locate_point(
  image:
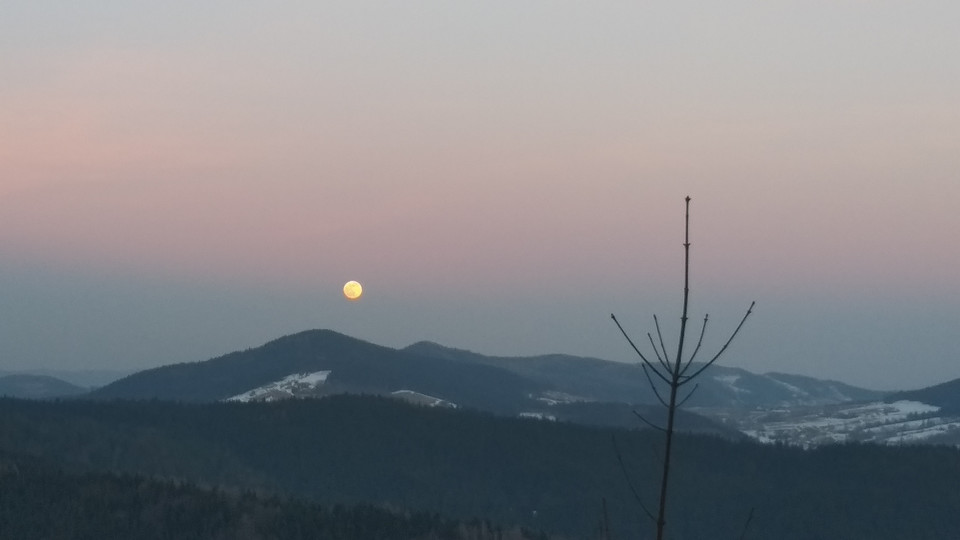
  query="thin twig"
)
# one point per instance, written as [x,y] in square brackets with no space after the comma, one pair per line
[656,323]
[747,524]
[684,400]
[606,520]
[725,345]
[640,354]
[653,387]
[647,422]
[626,476]
[659,358]
[703,330]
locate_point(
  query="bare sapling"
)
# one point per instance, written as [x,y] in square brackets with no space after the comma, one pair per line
[675,373]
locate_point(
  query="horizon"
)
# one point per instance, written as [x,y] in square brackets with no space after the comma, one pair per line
[117,374]
[181,181]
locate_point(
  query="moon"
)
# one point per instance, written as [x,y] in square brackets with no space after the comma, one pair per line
[352,290]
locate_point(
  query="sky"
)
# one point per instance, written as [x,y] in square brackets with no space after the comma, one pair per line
[179,180]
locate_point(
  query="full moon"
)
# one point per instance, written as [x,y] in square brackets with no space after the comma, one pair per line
[352,290]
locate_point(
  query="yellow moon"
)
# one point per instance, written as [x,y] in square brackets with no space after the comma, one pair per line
[352,290]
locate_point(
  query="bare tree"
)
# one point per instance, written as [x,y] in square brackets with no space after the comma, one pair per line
[674,373]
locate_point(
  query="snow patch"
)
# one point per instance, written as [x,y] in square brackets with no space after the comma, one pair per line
[538,416]
[553,397]
[731,382]
[295,385]
[796,391]
[423,399]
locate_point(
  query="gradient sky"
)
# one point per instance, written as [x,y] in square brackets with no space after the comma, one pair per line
[179,180]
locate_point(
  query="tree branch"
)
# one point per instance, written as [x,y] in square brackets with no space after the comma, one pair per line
[666,356]
[725,345]
[684,400]
[626,476]
[747,524]
[647,422]
[654,387]
[703,330]
[662,362]
[630,341]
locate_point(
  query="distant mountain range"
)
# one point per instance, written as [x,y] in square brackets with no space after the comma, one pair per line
[463,377]
[551,387]
[728,401]
[592,379]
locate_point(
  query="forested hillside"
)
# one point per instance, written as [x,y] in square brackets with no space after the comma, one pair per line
[38,501]
[543,475]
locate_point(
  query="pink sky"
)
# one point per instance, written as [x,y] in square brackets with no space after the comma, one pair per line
[524,166]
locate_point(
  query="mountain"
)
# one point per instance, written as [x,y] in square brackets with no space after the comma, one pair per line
[318,363]
[502,384]
[592,379]
[37,387]
[555,387]
[354,366]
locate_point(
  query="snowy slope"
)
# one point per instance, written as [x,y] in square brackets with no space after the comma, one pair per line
[295,385]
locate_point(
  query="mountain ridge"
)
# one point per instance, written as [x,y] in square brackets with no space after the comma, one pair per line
[556,387]
[356,366]
[29,386]
[721,386]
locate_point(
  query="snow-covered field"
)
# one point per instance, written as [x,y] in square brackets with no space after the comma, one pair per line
[885,423]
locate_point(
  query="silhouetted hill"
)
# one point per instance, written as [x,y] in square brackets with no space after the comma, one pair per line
[557,387]
[37,387]
[355,365]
